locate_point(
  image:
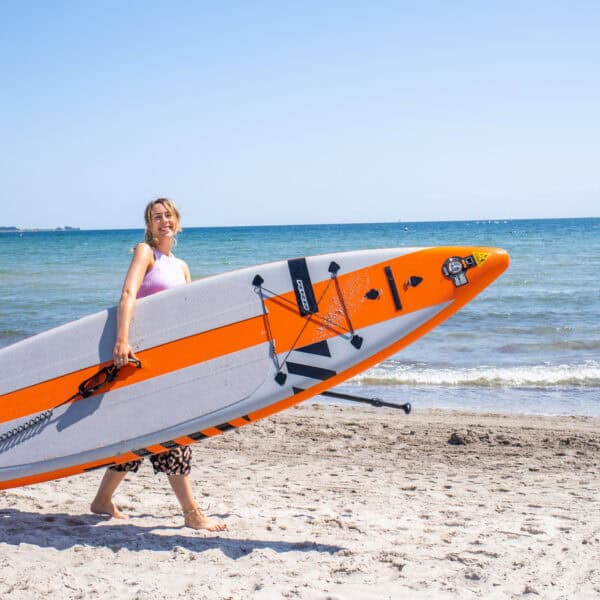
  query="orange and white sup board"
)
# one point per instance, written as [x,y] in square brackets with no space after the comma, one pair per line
[221,353]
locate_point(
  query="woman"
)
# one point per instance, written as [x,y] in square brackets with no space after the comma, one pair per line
[153,269]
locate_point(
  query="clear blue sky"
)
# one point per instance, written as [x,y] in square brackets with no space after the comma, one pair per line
[267,112]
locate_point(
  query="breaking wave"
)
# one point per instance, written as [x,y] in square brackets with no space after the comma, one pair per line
[537,376]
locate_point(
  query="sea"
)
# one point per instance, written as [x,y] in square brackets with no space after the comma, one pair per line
[530,343]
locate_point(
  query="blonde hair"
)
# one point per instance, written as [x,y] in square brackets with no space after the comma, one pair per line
[169,205]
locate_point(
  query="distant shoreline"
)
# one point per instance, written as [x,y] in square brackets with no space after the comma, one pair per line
[36,229]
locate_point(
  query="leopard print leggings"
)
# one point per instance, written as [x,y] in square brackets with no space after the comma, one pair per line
[176,461]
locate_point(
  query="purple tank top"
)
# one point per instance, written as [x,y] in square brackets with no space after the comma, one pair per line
[165,274]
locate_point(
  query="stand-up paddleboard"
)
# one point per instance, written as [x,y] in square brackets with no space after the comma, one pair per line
[220,353]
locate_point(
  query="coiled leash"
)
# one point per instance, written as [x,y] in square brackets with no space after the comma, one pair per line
[86,388]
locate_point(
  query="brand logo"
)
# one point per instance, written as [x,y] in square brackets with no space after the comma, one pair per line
[302,295]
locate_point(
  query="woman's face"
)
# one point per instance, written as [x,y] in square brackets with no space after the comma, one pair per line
[163,222]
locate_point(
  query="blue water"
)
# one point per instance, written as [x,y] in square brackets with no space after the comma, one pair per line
[529,343]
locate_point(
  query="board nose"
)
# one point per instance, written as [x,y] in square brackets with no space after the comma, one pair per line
[501,259]
[491,262]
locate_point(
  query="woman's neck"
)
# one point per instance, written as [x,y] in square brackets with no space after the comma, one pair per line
[164,246]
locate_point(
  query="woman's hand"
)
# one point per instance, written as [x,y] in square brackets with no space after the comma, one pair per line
[122,353]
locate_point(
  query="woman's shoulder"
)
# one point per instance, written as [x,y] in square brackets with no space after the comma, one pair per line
[143,249]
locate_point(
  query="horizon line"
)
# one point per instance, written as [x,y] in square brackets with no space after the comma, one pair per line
[73,229]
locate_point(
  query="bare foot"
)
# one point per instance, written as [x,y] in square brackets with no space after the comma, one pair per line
[196,519]
[107,508]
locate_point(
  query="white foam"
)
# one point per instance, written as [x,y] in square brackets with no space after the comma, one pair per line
[535,376]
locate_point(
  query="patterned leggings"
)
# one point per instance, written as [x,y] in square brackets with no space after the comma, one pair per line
[176,461]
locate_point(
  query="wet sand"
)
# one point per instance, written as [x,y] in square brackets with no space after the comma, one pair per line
[332,502]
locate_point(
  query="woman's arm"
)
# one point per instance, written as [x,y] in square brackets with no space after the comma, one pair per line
[140,263]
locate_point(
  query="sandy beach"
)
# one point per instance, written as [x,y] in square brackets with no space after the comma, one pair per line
[332,502]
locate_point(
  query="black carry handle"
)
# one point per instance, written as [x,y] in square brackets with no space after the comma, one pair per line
[101,378]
